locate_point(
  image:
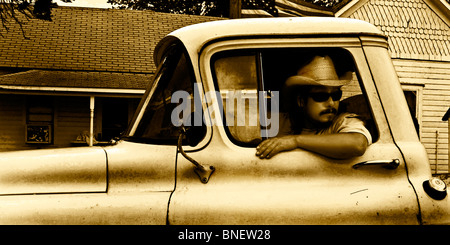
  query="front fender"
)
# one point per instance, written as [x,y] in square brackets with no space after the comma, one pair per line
[64,170]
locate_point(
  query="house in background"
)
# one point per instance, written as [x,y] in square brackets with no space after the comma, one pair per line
[55,73]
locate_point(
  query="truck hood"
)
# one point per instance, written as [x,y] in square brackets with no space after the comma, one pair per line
[64,170]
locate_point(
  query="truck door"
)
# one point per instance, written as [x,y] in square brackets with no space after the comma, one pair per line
[431,192]
[243,97]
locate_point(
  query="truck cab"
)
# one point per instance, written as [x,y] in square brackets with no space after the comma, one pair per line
[189,154]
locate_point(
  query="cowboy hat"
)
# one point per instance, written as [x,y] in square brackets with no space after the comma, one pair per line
[319,72]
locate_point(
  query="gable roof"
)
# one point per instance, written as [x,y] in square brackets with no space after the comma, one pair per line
[86,50]
[417,29]
[90,39]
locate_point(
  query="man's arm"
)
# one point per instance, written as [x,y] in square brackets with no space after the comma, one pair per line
[340,145]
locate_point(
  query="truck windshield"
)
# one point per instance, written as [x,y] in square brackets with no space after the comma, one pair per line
[152,121]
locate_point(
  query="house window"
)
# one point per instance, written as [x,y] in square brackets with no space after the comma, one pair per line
[413,95]
[39,129]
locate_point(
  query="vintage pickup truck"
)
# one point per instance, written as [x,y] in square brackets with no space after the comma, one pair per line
[188,156]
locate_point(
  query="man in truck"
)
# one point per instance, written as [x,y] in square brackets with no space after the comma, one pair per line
[313,122]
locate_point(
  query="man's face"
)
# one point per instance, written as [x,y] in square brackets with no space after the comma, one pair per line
[322,104]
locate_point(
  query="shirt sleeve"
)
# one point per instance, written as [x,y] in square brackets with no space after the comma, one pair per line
[284,125]
[350,123]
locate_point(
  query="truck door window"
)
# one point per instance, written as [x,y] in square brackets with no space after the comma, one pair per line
[241,76]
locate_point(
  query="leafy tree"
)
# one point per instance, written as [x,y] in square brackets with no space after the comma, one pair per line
[326,3]
[15,10]
[219,8]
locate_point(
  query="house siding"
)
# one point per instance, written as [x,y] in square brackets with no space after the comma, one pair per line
[12,125]
[435,79]
[71,118]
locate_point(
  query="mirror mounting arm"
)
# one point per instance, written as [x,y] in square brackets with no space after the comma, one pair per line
[204,173]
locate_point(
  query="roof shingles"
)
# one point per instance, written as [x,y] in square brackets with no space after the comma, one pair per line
[91,39]
[414,30]
[76,79]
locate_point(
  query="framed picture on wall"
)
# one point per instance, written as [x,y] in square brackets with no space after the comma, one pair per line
[38,134]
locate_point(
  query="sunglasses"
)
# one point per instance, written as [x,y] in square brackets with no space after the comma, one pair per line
[323,96]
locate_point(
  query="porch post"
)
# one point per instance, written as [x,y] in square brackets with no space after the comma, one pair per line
[235,9]
[91,126]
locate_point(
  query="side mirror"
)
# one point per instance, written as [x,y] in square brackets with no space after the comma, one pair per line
[203,172]
[196,130]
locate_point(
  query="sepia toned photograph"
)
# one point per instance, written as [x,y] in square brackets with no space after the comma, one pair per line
[224,112]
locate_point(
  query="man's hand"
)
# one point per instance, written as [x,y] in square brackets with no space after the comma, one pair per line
[268,148]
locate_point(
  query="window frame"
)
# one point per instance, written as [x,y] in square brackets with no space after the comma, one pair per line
[418,89]
[351,44]
[40,125]
[175,49]
[231,53]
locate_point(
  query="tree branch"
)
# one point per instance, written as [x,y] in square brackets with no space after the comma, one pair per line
[21,11]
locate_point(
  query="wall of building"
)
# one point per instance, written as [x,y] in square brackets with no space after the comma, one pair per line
[71,117]
[12,123]
[433,78]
